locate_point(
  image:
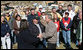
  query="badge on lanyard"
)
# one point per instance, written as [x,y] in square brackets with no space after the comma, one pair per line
[66,24]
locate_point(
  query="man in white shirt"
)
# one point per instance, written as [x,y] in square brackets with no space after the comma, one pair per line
[70,11]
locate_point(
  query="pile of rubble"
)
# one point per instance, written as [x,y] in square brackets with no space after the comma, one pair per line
[27,4]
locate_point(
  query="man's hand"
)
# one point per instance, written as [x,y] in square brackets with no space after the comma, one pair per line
[39,36]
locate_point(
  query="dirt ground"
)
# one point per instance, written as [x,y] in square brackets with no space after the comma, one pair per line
[61,46]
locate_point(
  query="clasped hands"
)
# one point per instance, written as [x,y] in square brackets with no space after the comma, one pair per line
[40,36]
[66,28]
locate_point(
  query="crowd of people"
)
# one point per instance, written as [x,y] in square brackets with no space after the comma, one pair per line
[41,30]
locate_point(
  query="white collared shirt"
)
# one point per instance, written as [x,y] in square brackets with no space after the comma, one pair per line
[39,28]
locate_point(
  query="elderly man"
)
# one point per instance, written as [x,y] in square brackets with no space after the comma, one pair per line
[50,33]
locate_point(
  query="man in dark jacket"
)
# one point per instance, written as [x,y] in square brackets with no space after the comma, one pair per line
[50,33]
[74,27]
[36,28]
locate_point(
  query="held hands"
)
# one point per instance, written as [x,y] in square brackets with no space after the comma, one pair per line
[39,36]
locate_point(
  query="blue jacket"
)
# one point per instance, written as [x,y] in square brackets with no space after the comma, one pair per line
[69,25]
[4,29]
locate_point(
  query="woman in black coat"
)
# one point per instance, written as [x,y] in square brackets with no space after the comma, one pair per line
[26,39]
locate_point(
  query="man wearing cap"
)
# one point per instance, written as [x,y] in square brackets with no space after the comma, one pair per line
[32,15]
[40,9]
[35,29]
[66,25]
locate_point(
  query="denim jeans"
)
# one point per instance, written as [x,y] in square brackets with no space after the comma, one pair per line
[44,45]
[76,42]
[57,38]
[66,36]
